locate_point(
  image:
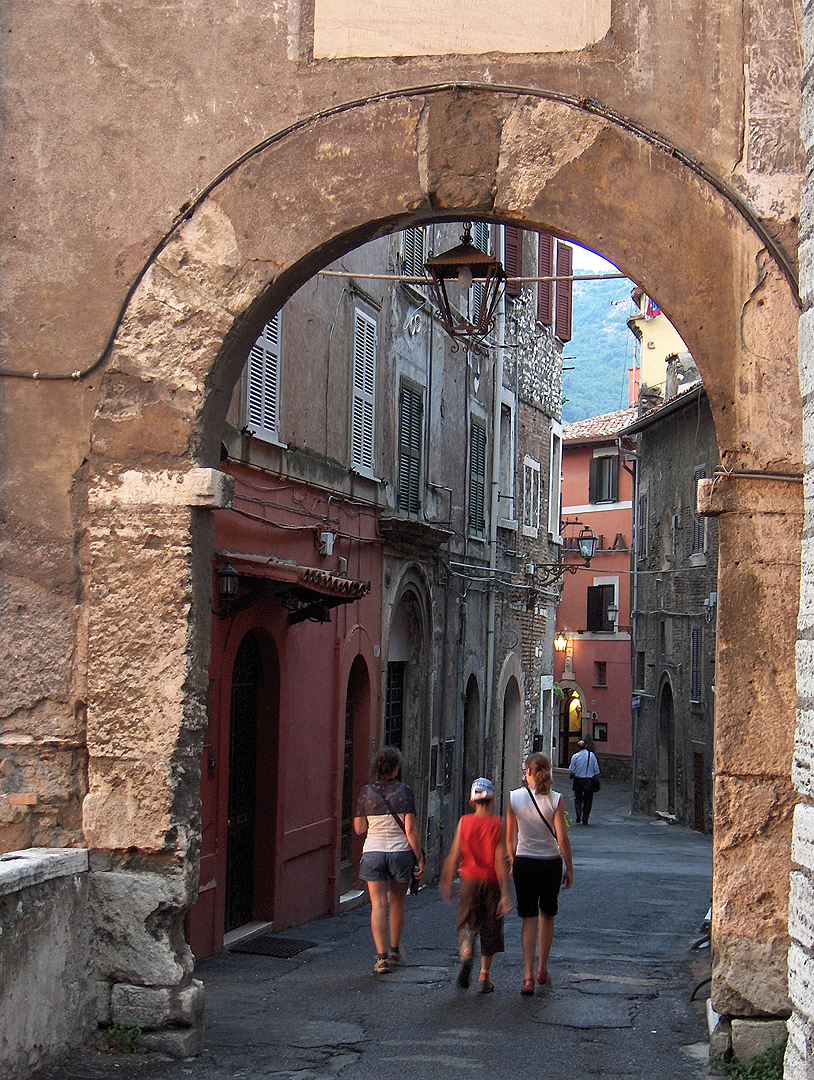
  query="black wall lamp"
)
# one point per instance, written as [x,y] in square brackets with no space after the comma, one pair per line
[227,583]
[466,264]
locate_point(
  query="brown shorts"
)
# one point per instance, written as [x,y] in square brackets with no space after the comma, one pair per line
[477,912]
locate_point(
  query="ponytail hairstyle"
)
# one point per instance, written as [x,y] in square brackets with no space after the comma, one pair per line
[387,759]
[540,767]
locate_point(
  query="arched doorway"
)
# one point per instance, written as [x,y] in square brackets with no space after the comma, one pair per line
[444,153]
[357,724]
[247,680]
[570,726]
[666,795]
[512,739]
[472,739]
[406,687]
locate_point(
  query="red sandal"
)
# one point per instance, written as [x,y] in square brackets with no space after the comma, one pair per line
[527,989]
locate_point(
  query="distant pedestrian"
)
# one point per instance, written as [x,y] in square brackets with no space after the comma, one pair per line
[478,853]
[391,854]
[540,858]
[583,770]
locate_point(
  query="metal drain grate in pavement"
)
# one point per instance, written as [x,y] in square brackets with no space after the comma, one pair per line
[266,945]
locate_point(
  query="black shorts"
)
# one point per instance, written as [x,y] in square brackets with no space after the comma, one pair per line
[537,885]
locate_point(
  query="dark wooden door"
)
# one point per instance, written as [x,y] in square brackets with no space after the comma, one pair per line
[247,678]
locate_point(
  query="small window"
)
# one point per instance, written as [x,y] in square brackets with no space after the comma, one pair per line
[600,732]
[531,496]
[413,255]
[505,492]
[363,411]
[696,664]
[641,527]
[411,410]
[480,239]
[640,671]
[600,673]
[555,482]
[699,523]
[263,382]
[477,477]
[603,479]
[600,597]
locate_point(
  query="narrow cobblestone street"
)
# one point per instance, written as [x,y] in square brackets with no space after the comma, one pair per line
[622,967]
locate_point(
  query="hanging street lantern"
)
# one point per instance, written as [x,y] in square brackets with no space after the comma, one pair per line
[466,265]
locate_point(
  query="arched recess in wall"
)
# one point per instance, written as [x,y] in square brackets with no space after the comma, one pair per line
[666,760]
[286,210]
[471,753]
[354,766]
[407,682]
[508,716]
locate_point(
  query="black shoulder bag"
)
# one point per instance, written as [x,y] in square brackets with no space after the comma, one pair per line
[415,883]
[540,812]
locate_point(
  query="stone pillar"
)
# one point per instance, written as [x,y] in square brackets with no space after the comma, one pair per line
[760,524]
[148,602]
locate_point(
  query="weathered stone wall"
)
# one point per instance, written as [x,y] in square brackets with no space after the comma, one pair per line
[800,1052]
[47,989]
[118,592]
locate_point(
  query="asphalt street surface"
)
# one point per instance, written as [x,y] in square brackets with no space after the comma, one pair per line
[622,966]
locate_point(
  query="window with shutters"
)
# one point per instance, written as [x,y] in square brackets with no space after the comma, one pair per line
[263,382]
[699,523]
[480,239]
[600,597]
[476,517]
[696,664]
[545,289]
[363,407]
[641,526]
[413,254]
[600,673]
[531,496]
[603,479]
[513,258]
[411,413]
[555,483]
[505,487]
[563,293]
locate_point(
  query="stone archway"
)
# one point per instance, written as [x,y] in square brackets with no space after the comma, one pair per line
[301,200]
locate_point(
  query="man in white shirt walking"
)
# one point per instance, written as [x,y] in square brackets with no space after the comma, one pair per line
[583,769]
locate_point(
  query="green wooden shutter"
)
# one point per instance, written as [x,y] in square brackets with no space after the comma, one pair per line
[411,409]
[363,411]
[477,477]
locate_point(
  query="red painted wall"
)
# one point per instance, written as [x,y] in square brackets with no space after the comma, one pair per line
[302,707]
[611,703]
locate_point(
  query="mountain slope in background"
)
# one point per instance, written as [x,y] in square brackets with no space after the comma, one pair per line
[600,351]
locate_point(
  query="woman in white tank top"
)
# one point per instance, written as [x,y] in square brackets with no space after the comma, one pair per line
[540,857]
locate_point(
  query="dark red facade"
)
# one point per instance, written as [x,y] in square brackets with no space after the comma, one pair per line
[293,704]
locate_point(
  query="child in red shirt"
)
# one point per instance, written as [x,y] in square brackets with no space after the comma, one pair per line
[480,849]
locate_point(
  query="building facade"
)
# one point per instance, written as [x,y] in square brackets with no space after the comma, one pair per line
[674,612]
[592,664]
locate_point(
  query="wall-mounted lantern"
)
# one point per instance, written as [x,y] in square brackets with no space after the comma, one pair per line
[613,615]
[560,642]
[466,264]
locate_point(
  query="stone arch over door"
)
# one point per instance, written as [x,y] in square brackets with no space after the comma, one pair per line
[303,198]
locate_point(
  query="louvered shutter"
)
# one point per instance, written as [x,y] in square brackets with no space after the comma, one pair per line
[411,407]
[513,257]
[593,475]
[480,239]
[564,291]
[696,671]
[263,384]
[595,614]
[545,267]
[477,478]
[363,415]
[413,252]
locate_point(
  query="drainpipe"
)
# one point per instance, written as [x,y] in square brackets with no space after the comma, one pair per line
[493,513]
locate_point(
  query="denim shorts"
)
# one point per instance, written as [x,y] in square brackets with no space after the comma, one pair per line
[387,866]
